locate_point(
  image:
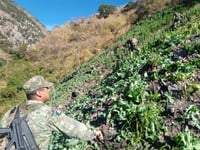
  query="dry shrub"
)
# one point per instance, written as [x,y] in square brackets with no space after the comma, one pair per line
[132,17]
[157,4]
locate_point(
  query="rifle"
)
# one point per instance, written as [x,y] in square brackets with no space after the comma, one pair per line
[19,134]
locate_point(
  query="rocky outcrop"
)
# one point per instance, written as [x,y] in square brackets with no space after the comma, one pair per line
[18,27]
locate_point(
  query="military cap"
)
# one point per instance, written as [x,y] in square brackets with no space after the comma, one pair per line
[36,83]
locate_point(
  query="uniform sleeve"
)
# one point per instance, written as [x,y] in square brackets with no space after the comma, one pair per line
[4,120]
[71,127]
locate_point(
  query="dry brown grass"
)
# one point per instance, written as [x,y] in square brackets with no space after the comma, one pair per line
[74,43]
[4,55]
[70,45]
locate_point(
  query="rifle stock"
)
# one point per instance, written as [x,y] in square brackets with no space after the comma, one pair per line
[19,135]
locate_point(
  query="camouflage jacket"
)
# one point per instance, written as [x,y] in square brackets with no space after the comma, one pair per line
[43,119]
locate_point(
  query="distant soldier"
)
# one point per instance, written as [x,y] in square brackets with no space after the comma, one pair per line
[178,20]
[132,45]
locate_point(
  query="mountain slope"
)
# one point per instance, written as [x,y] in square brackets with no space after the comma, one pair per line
[150,101]
[76,42]
[18,31]
[18,27]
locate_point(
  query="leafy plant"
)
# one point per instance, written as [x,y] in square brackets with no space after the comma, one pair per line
[121,99]
[191,114]
[186,141]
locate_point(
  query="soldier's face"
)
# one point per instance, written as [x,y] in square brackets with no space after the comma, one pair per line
[45,95]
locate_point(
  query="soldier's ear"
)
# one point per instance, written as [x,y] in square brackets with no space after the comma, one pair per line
[38,93]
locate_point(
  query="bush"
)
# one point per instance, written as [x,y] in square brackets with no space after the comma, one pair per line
[14,82]
[105,10]
[129,6]
[2,62]
[8,93]
[14,86]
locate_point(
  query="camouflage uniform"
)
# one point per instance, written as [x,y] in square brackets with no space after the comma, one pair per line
[43,119]
[178,20]
[132,45]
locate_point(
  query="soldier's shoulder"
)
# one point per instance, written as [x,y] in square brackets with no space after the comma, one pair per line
[47,108]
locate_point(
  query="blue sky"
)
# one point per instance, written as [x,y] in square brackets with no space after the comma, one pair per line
[57,12]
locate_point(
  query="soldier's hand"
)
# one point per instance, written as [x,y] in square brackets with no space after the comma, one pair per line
[99,135]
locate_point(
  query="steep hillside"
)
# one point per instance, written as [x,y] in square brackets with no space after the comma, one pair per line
[148,101]
[64,49]
[76,42]
[18,31]
[17,27]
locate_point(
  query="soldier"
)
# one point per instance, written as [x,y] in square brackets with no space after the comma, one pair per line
[132,45]
[178,20]
[43,119]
